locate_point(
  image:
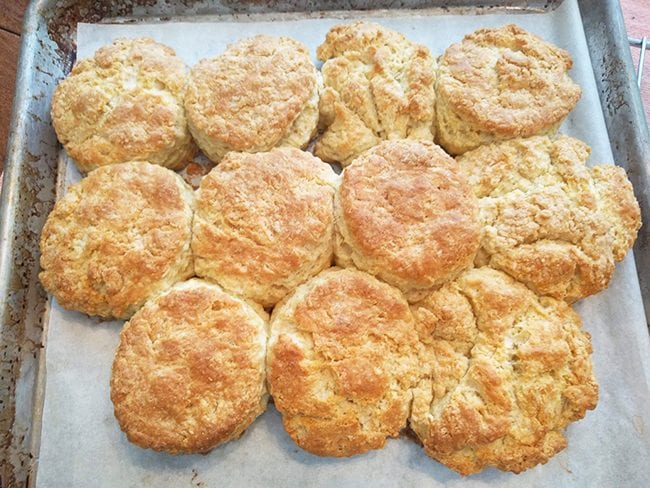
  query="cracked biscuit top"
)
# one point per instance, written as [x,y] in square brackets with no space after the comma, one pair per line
[405,214]
[189,371]
[262,92]
[116,238]
[498,84]
[378,85]
[504,372]
[124,104]
[547,219]
[265,222]
[341,364]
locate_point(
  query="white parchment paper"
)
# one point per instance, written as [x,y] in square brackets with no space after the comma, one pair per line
[82,445]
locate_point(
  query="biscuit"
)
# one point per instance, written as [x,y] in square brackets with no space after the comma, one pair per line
[340,363]
[124,104]
[405,214]
[118,237]
[498,84]
[262,92]
[189,371]
[504,372]
[378,86]
[547,219]
[264,222]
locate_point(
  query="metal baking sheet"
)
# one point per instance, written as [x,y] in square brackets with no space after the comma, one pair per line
[78,424]
[30,173]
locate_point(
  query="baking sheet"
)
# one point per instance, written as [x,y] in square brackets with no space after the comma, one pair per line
[81,444]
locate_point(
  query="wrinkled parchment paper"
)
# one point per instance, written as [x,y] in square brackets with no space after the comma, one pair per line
[82,445]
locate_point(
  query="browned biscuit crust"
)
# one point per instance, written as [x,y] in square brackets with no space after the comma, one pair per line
[341,363]
[260,93]
[378,85]
[499,84]
[619,205]
[405,214]
[124,104]
[264,222]
[189,371]
[118,237]
[547,219]
[504,372]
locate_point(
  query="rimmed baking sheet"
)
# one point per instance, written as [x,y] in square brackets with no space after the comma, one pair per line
[81,444]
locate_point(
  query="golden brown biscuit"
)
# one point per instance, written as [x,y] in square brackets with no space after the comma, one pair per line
[547,219]
[124,104]
[118,237]
[504,371]
[619,205]
[498,84]
[378,85]
[405,214]
[264,222]
[262,92]
[340,363]
[189,371]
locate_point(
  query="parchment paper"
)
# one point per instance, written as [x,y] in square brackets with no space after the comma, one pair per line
[82,445]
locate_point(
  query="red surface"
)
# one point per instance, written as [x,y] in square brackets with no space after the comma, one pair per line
[637,23]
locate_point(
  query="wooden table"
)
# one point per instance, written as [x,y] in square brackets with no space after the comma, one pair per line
[11,19]
[636,12]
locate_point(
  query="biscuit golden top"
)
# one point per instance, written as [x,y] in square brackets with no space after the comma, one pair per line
[264,222]
[341,361]
[116,238]
[504,372]
[124,103]
[379,85]
[546,218]
[248,97]
[188,373]
[507,81]
[407,215]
